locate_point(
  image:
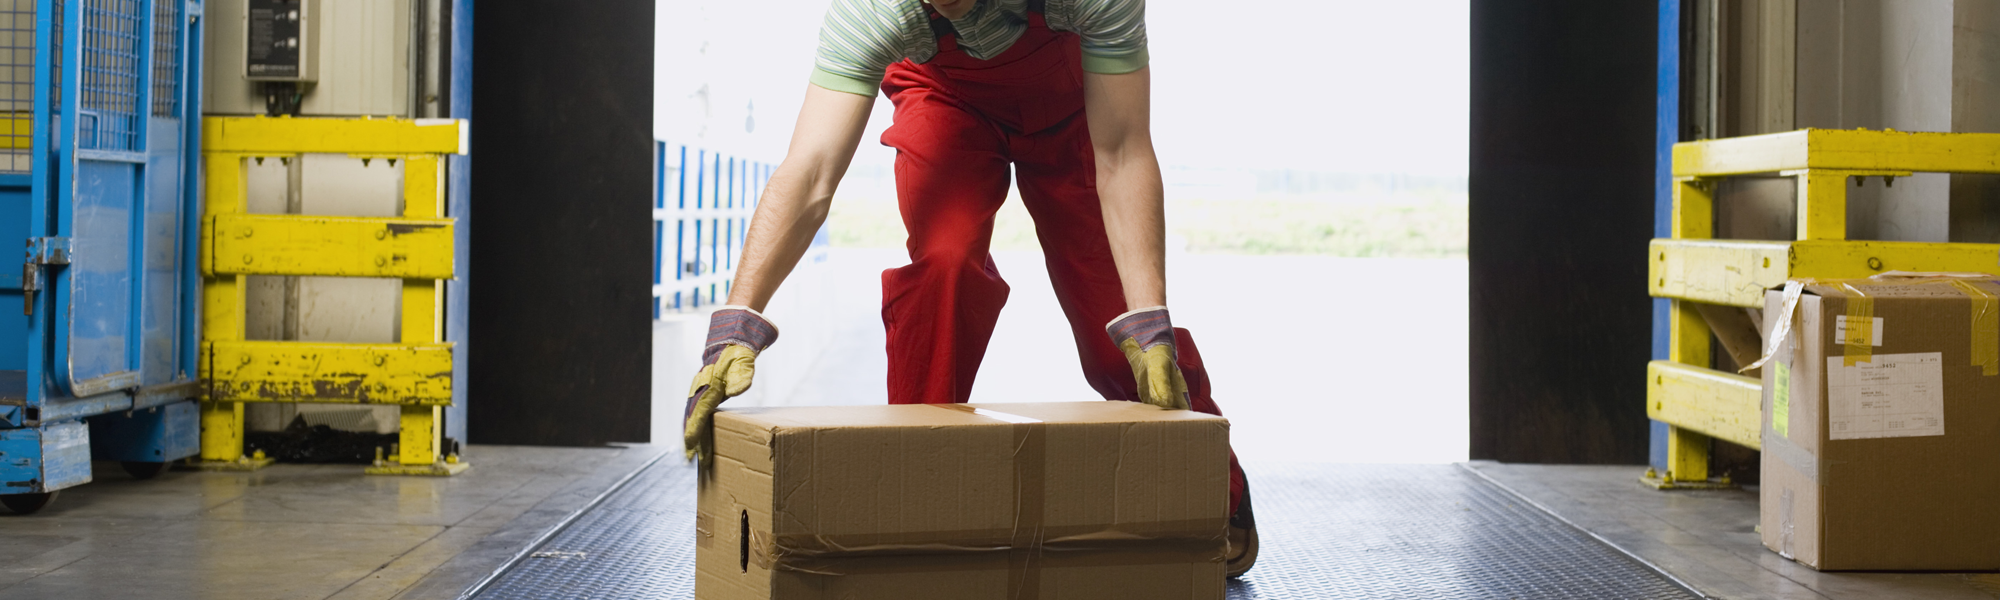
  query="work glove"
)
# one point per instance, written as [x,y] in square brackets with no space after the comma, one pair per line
[1147,338]
[735,335]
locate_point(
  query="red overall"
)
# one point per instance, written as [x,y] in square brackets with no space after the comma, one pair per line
[960,122]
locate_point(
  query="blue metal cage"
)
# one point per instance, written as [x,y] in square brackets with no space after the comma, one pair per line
[97,180]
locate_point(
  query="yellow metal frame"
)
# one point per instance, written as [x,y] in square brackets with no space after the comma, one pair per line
[417,247]
[1701,404]
[245,244]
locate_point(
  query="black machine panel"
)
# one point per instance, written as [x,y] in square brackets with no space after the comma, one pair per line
[274,47]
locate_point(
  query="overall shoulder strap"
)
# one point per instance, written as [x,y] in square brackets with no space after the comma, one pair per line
[940,26]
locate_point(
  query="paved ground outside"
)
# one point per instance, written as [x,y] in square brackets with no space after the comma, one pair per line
[1316,359]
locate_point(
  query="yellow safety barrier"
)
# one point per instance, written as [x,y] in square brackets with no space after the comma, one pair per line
[1699,403]
[414,373]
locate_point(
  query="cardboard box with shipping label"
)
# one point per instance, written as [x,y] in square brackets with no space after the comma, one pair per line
[1101,500]
[1882,425]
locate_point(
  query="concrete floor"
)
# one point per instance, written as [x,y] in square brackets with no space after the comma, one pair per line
[299,531]
[319,532]
[1708,539]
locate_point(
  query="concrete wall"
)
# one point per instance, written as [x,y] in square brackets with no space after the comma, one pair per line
[1908,65]
[1881,64]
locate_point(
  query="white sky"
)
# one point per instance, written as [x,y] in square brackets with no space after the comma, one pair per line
[1323,85]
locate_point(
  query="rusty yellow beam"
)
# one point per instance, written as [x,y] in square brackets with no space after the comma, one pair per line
[1855,259]
[260,371]
[284,136]
[1729,272]
[1725,406]
[252,244]
[420,444]
[1736,272]
[1839,149]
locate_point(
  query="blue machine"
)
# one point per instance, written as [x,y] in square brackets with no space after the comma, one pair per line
[97,178]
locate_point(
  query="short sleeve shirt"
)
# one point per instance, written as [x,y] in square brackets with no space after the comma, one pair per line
[861,38]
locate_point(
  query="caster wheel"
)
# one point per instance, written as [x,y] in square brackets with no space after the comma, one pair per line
[143,470]
[27,504]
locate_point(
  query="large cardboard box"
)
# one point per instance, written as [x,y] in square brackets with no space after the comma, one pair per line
[1881,426]
[1098,500]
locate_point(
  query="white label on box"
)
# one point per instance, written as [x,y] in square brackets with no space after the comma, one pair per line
[1891,395]
[1840,331]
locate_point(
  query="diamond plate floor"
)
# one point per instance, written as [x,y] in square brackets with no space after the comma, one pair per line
[1329,531]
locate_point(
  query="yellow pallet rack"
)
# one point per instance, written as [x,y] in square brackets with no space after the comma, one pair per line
[1699,403]
[415,373]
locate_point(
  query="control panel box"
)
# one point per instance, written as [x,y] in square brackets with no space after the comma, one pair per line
[345,57]
[280,40]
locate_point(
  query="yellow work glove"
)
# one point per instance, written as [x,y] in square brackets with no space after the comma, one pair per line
[728,361]
[1147,338]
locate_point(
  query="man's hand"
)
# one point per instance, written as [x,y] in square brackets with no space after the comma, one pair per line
[735,335]
[1147,338]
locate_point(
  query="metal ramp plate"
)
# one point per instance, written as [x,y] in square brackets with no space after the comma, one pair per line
[1328,531]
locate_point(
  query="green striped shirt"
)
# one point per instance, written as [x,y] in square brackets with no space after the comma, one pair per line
[861,38]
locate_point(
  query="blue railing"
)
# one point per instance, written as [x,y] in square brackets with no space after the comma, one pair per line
[702,202]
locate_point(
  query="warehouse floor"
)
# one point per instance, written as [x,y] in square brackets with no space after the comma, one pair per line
[299,531]
[1474,530]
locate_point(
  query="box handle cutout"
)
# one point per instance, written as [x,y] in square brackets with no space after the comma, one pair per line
[743,544]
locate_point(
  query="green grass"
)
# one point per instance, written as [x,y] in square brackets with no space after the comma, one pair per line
[1434,228]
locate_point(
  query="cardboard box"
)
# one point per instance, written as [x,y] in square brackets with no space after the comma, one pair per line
[1099,500]
[1881,426]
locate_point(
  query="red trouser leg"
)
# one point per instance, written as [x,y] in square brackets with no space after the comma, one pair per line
[1057,173]
[951,176]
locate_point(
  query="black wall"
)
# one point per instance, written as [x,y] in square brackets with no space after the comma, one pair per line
[1562,208]
[560,322]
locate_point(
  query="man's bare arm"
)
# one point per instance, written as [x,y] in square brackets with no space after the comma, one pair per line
[795,201]
[1119,108]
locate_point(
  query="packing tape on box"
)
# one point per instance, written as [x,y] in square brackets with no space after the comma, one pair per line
[1860,333]
[1985,327]
[1793,289]
[1799,459]
[1860,327]
[1785,528]
[973,541]
[1154,553]
[1024,575]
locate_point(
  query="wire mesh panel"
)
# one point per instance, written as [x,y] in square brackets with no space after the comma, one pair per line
[167,24]
[112,46]
[17,84]
[56,35]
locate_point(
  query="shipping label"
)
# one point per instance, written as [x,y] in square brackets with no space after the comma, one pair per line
[1891,395]
[1841,327]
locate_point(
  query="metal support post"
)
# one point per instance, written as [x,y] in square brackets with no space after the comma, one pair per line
[418,450]
[222,424]
[1822,198]
[1687,450]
